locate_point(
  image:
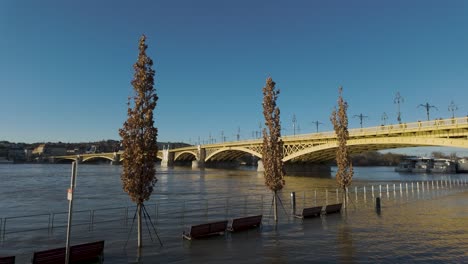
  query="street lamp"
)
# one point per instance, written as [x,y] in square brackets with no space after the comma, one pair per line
[428,107]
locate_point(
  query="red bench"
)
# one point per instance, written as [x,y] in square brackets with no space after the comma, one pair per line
[204,230]
[310,212]
[333,208]
[7,260]
[78,254]
[244,223]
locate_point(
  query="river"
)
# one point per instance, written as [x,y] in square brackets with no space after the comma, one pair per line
[423,216]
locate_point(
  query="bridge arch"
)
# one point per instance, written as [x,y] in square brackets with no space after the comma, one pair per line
[59,160]
[326,152]
[185,155]
[231,153]
[97,158]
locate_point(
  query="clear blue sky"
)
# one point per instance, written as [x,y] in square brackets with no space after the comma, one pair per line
[66,66]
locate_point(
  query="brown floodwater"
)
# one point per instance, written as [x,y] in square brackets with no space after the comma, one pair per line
[423,221]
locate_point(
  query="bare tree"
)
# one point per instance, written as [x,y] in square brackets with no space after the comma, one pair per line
[272,144]
[339,119]
[139,135]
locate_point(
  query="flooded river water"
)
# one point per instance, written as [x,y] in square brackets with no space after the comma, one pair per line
[423,218]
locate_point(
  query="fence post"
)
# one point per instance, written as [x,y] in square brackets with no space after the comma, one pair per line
[355,191]
[337,199]
[293,202]
[377,205]
[91,219]
[126,216]
[315,196]
[262,203]
[364,192]
[4,228]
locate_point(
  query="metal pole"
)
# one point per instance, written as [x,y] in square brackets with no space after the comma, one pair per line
[293,202]
[70,211]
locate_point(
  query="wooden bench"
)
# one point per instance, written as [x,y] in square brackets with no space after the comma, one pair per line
[89,252]
[203,230]
[310,212]
[333,208]
[7,260]
[245,223]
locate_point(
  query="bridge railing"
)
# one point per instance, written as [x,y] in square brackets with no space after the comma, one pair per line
[392,128]
[376,130]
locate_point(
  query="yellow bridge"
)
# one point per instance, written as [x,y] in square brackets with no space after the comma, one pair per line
[315,147]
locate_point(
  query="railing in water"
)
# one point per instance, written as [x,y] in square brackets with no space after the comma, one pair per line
[184,212]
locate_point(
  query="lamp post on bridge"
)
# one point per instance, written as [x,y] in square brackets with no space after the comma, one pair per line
[317,123]
[384,119]
[427,106]
[452,107]
[294,120]
[361,117]
[398,99]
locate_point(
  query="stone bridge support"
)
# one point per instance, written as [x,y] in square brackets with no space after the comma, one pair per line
[168,158]
[199,163]
[79,159]
[115,159]
[260,167]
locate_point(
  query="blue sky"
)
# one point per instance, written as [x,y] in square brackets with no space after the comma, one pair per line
[66,66]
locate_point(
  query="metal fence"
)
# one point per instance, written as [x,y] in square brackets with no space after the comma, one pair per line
[180,213]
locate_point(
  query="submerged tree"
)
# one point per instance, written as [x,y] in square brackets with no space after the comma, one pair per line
[272,144]
[344,174]
[139,136]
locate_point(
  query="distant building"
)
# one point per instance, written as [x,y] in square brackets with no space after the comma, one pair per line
[45,150]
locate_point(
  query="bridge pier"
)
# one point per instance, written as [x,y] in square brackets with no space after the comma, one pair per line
[168,158]
[199,163]
[260,167]
[115,159]
[79,159]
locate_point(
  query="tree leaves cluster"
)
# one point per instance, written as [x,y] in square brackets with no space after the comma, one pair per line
[339,119]
[272,154]
[138,132]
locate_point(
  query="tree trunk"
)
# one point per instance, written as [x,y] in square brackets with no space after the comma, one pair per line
[275,208]
[140,239]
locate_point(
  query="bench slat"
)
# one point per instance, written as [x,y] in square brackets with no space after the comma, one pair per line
[82,252]
[333,208]
[310,212]
[204,230]
[7,260]
[244,223]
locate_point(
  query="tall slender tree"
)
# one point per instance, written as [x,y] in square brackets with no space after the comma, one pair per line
[272,154]
[139,135]
[339,119]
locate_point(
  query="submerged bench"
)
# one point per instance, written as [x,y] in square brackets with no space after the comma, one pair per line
[89,252]
[204,230]
[333,208]
[310,212]
[7,260]
[245,223]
